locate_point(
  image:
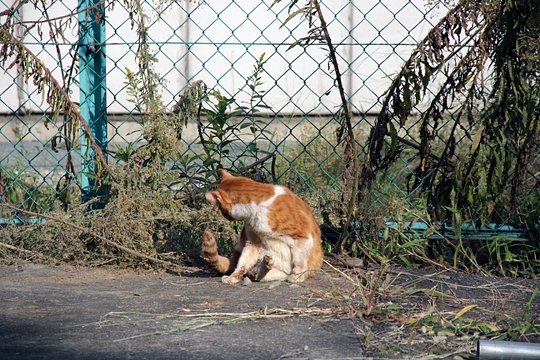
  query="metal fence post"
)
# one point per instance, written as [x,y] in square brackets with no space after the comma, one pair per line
[93,89]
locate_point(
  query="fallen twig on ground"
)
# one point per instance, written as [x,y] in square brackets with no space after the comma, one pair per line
[20,249]
[201,320]
[14,248]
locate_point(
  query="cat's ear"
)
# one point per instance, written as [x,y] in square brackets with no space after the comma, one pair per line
[224,174]
[214,198]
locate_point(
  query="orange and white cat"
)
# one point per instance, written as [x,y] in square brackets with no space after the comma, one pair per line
[280,239]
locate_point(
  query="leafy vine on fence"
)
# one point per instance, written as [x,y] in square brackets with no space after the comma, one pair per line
[486,54]
[56,94]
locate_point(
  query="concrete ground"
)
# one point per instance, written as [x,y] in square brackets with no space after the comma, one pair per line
[64,312]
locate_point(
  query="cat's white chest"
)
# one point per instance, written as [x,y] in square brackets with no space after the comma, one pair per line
[256,215]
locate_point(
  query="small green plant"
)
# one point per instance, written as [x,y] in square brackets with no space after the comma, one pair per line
[223,139]
[125,153]
[512,257]
[255,104]
[220,133]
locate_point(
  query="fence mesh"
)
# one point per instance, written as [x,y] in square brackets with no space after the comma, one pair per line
[271,107]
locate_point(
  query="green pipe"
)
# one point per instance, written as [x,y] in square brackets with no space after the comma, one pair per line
[93,90]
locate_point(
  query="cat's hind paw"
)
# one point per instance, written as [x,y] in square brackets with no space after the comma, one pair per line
[268,262]
[296,278]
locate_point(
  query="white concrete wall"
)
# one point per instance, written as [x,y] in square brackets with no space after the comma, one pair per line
[225,37]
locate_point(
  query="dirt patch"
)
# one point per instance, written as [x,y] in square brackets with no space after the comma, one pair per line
[441,314]
[66,312]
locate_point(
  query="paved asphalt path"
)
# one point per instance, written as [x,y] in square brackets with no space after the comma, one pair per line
[49,312]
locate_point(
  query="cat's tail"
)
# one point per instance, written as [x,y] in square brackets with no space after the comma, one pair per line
[210,254]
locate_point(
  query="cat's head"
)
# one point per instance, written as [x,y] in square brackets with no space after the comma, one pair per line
[237,197]
[220,198]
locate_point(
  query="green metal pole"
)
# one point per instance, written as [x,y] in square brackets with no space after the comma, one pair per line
[93,90]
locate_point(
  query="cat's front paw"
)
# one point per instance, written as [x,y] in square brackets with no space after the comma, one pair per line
[231,279]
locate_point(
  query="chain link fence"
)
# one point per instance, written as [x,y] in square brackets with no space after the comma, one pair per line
[271,108]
